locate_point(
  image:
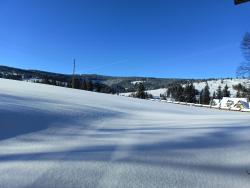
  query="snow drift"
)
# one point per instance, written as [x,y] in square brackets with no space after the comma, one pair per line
[60,137]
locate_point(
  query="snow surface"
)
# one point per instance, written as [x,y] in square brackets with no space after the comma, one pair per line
[137,82]
[59,137]
[155,92]
[33,80]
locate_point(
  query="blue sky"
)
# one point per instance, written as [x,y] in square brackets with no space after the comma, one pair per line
[159,38]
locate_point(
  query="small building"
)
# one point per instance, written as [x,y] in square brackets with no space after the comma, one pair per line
[242,105]
[229,102]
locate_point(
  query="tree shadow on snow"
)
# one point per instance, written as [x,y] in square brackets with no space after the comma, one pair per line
[219,138]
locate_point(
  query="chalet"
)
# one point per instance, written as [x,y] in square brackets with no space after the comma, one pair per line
[238,103]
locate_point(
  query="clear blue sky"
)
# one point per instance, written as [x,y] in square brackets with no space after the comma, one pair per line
[159,38]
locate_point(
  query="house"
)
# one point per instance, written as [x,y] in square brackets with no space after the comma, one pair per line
[240,103]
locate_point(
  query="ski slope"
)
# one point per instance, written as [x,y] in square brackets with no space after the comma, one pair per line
[59,137]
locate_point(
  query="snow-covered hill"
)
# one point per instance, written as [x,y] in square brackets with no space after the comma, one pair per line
[213,85]
[155,92]
[58,137]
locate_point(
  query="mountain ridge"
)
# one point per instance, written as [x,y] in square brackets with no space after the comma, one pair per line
[112,84]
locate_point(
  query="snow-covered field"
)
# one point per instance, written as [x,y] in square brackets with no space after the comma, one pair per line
[155,92]
[59,137]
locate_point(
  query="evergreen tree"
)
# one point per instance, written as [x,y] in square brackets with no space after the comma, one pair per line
[192,95]
[45,80]
[163,96]
[186,93]
[179,93]
[205,95]
[77,83]
[84,85]
[201,96]
[69,84]
[189,93]
[53,82]
[141,91]
[89,85]
[97,87]
[238,94]
[169,94]
[240,90]
[219,93]
[226,92]
[214,95]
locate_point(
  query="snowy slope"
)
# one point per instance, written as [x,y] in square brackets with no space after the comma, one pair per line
[59,137]
[137,82]
[214,84]
[155,92]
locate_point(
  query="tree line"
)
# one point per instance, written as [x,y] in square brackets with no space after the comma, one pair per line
[189,94]
[242,91]
[82,84]
[141,92]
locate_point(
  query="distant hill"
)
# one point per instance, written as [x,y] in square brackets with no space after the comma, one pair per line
[199,85]
[120,84]
[111,84]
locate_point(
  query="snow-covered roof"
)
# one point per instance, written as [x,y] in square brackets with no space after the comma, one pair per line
[244,104]
[231,102]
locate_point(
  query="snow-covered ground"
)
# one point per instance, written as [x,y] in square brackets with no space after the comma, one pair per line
[59,137]
[33,80]
[156,92]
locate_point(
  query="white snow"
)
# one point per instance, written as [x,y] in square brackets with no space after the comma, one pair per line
[137,82]
[33,80]
[156,92]
[59,137]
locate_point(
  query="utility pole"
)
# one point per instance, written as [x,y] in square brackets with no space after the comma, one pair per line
[73,76]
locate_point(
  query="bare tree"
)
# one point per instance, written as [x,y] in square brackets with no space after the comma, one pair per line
[244,68]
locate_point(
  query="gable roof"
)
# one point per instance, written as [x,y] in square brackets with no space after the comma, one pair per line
[231,102]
